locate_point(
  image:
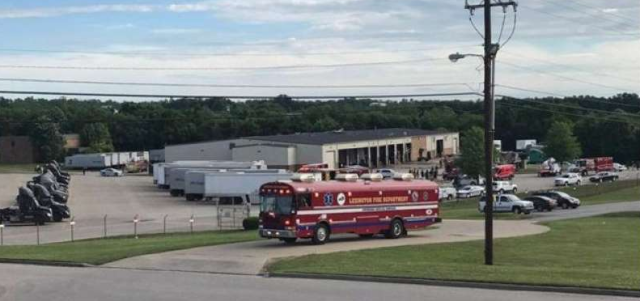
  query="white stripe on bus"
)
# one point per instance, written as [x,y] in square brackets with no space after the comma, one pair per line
[355,210]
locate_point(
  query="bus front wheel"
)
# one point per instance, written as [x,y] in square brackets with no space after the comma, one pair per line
[321,234]
[395,229]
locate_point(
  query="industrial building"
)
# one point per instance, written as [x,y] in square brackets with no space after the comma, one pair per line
[373,148]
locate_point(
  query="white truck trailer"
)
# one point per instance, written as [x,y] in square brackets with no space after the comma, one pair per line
[88,161]
[194,180]
[239,184]
[164,170]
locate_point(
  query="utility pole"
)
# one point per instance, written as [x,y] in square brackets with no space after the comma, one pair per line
[490,52]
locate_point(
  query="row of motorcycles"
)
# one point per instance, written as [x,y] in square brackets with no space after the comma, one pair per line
[42,200]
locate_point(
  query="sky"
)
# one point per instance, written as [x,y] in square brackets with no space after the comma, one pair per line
[316,47]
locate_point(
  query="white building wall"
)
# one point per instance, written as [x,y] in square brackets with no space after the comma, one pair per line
[213,150]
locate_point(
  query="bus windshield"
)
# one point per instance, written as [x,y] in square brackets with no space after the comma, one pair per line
[276,204]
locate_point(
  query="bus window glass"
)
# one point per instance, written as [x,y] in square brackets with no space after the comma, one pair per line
[276,204]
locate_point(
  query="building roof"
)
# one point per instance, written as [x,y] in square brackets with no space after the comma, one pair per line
[331,137]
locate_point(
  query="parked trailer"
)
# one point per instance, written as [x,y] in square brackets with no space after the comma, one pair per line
[194,180]
[165,172]
[177,179]
[239,184]
[89,161]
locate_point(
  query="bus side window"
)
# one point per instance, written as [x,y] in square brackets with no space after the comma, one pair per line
[304,201]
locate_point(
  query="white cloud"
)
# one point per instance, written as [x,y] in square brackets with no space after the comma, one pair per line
[69,10]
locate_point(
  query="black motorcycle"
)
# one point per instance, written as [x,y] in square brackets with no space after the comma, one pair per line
[28,210]
[60,211]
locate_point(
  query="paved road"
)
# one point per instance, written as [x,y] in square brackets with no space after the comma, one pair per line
[249,258]
[586,211]
[37,283]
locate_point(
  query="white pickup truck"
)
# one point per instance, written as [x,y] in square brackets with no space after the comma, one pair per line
[447,193]
[508,203]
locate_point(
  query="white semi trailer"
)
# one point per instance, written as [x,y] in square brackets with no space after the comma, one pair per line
[164,170]
[91,161]
[194,180]
[239,184]
[177,178]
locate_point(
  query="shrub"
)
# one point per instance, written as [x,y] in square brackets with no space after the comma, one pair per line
[250,223]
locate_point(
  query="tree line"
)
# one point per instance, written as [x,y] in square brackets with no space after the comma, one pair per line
[603,126]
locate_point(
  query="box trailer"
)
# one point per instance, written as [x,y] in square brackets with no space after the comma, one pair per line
[194,180]
[164,173]
[88,161]
[242,184]
[177,179]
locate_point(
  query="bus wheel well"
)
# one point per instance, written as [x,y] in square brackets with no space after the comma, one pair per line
[326,224]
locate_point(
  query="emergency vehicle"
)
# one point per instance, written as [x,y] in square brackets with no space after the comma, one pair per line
[305,208]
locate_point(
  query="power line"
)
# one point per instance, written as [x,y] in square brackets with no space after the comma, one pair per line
[565,96]
[58,81]
[566,77]
[520,106]
[228,54]
[579,108]
[102,68]
[578,22]
[573,67]
[51,93]
[598,16]
[597,8]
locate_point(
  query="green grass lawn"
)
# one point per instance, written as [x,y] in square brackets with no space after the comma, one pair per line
[590,252]
[100,251]
[17,168]
[621,191]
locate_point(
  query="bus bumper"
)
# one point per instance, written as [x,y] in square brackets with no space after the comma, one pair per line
[269,233]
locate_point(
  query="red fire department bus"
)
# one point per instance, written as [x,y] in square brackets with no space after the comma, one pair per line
[303,208]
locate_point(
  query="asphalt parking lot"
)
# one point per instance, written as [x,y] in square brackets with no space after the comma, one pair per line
[120,199]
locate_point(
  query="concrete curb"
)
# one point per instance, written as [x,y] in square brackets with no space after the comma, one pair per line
[46,263]
[466,284]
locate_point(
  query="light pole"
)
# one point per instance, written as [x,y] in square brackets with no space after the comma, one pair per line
[489,129]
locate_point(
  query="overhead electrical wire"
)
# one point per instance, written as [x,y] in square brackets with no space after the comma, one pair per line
[596,16]
[565,96]
[228,54]
[636,81]
[623,115]
[564,18]
[102,68]
[566,77]
[599,9]
[116,83]
[521,106]
[55,93]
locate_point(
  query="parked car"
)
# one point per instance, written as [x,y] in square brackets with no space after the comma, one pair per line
[568,179]
[470,191]
[387,173]
[542,203]
[111,172]
[563,199]
[619,167]
[504,186]
[604,177]
[447,193]
[465,180]
[508,203]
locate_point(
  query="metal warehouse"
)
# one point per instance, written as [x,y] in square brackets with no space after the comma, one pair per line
[373,148]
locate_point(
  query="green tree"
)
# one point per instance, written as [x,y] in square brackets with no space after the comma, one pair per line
[46,138]
[560,143]
[96,137]
[472,148]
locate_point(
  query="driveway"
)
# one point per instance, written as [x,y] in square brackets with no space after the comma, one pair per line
[249,258]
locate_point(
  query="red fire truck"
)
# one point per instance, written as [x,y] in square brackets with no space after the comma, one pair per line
[304,208]
[586,165]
